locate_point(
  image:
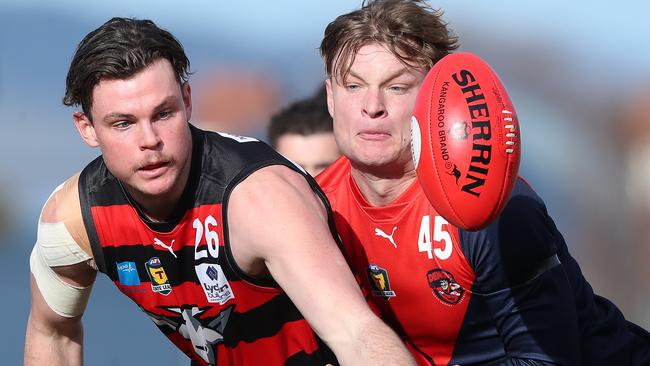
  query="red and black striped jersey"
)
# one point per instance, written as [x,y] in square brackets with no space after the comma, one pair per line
[509,294]
[182,274]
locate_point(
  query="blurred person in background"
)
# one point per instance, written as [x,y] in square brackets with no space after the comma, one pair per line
[302,132]
[634,129]
[217,238]
[631,126]
[509,294]
[221,95]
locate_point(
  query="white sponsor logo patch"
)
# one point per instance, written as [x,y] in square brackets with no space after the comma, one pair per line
[214,283]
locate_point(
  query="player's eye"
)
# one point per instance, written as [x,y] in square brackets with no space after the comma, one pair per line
[164,115]
[397,88]
[121,125]
[352,86]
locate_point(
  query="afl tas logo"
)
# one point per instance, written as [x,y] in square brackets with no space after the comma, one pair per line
[379,282]
[159,281]
[445,287]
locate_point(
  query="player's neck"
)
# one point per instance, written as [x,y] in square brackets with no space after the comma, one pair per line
[156,208]
[159,208]
[382,190]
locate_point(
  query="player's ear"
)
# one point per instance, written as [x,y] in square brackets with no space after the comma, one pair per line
[186,91]
[85,128]
[330,97]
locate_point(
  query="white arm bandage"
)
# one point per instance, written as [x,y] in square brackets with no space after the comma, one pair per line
[56,247]
[63,298]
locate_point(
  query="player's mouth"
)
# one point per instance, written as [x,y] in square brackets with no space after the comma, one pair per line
[374,135]
[154,166]
[153,169]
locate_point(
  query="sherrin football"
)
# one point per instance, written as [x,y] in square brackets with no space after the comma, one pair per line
[465,141]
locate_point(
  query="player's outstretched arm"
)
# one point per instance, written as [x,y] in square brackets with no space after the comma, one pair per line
[276,217]
[61,280]
[51,339]
[524,284]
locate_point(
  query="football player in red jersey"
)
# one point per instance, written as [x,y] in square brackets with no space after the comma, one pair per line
[509,294]
[217,238]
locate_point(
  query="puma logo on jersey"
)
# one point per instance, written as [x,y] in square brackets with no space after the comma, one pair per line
[159,242]
[379,232]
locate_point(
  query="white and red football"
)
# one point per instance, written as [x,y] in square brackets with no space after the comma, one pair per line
[465,141]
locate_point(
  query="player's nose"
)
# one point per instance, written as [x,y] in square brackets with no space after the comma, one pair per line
[149,137]
[374,103]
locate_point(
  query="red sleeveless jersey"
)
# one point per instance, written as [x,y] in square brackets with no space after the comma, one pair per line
[407,259]
[182,274]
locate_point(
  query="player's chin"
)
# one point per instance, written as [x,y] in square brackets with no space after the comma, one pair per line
[373,149]
[155,186]
[378,159]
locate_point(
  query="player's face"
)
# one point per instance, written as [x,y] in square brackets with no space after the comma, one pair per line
[313,152]
[372,110]
[141,127]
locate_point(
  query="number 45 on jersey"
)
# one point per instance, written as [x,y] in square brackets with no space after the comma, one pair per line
[440,236]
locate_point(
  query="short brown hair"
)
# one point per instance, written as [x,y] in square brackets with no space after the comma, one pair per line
[119,49]
[413,31]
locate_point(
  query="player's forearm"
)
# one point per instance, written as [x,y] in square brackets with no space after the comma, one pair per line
[46,345]
[374,343]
